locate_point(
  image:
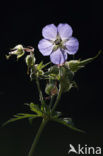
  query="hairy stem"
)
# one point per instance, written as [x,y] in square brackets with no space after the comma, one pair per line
[59,94]
[57,100]
[51,101]
[33,147]
[40,92]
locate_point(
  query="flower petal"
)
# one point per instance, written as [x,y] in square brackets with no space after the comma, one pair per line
[45,47]
[50,32]
[65,31]
[72,46]
[58,56]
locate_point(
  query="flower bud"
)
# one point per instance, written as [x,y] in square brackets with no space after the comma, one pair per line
[66,78]
[30,60]
[51,89]
[74,65]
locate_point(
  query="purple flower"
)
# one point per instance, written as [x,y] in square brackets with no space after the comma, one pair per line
[58,42]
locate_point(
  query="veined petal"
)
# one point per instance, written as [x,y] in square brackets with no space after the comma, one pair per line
[50,32]
[72,46]
[45,47]
[58,56]
[65,31]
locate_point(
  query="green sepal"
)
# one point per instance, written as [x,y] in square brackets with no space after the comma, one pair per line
[41,65]
[30,60]
[21,53]
[67,122]
[53,72]
[36,70]
[67,86]
[51,89]
[7,56]
[65,73]
[20,116]
[44,108]
[17,50]
[89,60]
[66,79]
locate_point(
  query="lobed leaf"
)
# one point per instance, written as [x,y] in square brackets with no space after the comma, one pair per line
[56,114]
[20,116]
[67,122]
[35,108]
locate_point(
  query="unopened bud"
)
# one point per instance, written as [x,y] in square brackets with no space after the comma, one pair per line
[74,65]
[30,60]
[51,89]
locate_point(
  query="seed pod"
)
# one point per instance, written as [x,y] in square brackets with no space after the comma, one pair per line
[17,50]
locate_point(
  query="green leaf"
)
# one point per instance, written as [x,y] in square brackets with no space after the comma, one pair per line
[31,120]
[20,116]
[67,122]
[56,114]
[35,108]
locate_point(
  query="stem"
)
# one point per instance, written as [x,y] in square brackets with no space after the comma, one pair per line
[59,94]
[51,101]
[40,92]
[57,100]
[33,147]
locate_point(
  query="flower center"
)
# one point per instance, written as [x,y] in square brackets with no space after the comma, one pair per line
[58,41]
